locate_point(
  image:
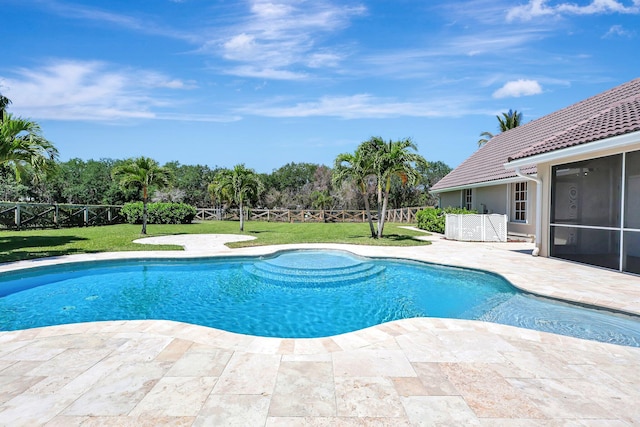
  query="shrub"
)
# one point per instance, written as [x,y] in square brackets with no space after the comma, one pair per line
[159,213]
[433,219]
[428,219]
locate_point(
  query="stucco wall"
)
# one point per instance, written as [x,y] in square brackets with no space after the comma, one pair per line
[497,199]
[493,198]
[451,198]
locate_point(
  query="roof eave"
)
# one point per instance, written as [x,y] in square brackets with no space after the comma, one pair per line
[479,184]
[618,141]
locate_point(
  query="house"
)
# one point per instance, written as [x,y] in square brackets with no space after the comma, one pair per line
[571,179]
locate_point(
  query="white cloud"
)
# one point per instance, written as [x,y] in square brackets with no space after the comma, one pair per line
[92,90]
[88,13]
[320,60]
[539,8]
[533,9]
[517,88]
[271,10]
[618,31]
[362,106]
[492,42]
[265,73]
[279,35]
[240,47]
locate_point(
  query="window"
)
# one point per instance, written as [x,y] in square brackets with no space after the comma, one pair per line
[468,199]
[519,202]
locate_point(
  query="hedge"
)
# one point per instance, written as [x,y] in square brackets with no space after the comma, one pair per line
[159,213]
[433,219]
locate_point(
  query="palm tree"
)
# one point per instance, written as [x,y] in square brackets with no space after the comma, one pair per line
[22,146]
[389,159]
[321,200]
[485,137]
[357,168]
[4,103]
[509,120]
[239,184]
[143,173]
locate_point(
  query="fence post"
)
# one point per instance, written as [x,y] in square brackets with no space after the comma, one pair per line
[17,216]
[448,232]
[86,216]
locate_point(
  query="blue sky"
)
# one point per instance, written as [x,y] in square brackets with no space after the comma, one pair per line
[267,82]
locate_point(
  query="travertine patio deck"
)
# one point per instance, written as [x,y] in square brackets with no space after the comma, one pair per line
[409,372]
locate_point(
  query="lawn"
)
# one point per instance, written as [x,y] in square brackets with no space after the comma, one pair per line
[30,244]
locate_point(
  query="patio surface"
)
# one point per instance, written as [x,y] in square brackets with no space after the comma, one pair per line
[410,372]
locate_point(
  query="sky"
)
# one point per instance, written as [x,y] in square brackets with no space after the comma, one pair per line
[268,82]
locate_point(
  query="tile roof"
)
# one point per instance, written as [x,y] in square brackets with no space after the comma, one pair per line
[611,113]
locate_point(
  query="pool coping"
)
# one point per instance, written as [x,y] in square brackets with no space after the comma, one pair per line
[405,372]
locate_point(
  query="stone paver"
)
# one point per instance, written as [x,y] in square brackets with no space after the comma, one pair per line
[420,371]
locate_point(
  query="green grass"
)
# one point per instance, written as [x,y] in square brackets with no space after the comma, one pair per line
[30,244]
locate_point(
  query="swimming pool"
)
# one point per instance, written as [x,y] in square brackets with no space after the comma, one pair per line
[293,294]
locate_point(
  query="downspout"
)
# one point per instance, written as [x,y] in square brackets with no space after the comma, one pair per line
[538,182]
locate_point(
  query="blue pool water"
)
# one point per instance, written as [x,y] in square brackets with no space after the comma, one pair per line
[291,295]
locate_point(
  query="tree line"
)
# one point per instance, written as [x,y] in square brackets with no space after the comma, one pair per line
[292,186]
[30,171]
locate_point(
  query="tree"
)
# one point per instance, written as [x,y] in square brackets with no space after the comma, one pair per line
[485,137]
[418,194]
[192,182]
[143,173]
[433,172]
[509,120]
[402,195]
[357,168]
[4,103]
[295,182]
[389,159]
[10,188]
[239,184]
[85,182]
[321,200]
[23,147]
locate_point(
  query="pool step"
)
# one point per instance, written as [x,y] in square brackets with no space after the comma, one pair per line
[310,277]
[315,270]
